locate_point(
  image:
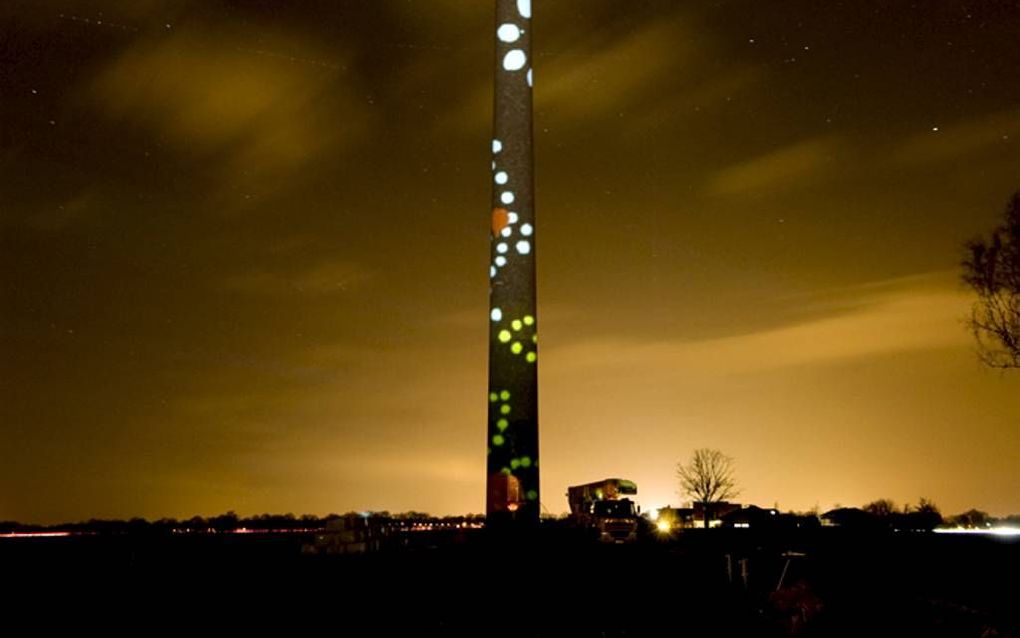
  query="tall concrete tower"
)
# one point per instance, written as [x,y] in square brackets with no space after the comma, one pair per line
[512,470]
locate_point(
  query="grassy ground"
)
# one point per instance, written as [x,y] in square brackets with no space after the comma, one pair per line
[550,584]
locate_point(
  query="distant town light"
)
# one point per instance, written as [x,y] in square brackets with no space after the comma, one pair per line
[1005,531]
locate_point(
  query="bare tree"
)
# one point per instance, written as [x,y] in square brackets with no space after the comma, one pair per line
[992,269]
[707,478]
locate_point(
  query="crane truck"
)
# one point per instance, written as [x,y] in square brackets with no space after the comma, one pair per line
[603,509]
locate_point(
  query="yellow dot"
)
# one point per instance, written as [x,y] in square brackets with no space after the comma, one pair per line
[502,424]
[505,395]
[516,324]
[516,348]
[531,357]
[534,338]
[529,320]
[504,336]
[493,397]
[504,409]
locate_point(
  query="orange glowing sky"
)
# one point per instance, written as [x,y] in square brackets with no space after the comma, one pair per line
[244,252]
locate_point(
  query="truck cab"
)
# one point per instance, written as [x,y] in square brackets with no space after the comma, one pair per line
[616,521]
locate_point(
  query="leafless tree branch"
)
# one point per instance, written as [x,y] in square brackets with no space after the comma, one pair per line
[708,477]
[992,270]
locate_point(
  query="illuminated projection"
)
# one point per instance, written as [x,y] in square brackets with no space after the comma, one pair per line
[512,481]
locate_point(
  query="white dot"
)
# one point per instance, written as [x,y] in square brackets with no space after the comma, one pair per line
[511,217]
[506,232]
[529,78]
[524,8]
[526,230]
[523,247]
[508,32]
[500,261]
[514,60]
[497,146]
[492,272]
[496,314]
[493,164]
[501,247]
[507,197]
[502,177]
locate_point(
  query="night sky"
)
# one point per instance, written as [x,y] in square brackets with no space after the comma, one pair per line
[245,251]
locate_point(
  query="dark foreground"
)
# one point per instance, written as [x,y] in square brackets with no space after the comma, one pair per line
[552,584]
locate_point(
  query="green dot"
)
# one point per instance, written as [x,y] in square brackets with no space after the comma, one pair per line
[517,347]
[506,471]
[504,336]
[498,440]
[505,395]
[493,397]
[516,324]
[514,463]
[529,320]
[534,338]
[502,424]
[525,461]
[531,357]
[504,409]
[532,495]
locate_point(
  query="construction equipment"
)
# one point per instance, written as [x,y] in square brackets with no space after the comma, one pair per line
[602,509]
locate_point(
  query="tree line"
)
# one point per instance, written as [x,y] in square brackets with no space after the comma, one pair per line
[228,522]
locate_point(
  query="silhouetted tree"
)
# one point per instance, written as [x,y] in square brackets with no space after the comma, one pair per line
[707,478]
[224,522]
[971,518]
[992,269]
[882,508]
[925,516]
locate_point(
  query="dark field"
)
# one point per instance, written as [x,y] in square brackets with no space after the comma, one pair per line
[553,584]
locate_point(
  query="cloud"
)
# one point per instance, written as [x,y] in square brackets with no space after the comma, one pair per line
[888,319]
[597,74]
[244,114]
[958,140]
[324,278]
[776,170]
[613,75]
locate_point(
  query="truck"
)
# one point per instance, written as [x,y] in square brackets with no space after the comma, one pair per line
[602,509]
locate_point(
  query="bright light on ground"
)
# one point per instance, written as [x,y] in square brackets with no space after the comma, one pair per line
[992,531]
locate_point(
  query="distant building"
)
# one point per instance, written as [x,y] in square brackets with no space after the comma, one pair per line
[694,517]
[675,517]
[751,516]
[351,534]
[716,512]
[849,517]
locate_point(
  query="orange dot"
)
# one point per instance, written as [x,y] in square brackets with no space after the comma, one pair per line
[500,218]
